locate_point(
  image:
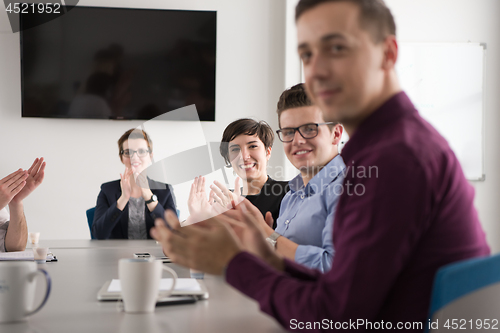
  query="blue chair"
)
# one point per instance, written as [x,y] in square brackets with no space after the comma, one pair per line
[90,220]
[466,296]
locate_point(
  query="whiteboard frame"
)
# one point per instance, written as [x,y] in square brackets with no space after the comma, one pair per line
[482,177]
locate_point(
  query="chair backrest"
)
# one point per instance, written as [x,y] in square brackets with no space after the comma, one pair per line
[466,296]
[90,220]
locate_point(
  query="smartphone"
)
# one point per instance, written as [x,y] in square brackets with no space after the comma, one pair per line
[165,260]
[174,300]
[142,255]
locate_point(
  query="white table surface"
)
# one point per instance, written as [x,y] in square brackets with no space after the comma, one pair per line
[85,265]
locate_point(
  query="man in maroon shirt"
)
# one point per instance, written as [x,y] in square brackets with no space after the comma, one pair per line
[406,209]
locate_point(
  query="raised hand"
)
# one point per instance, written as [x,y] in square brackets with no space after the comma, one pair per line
[141,180]
[126,188]
[12,185]
[35,177]
[198,202]
[125,184]
[221,195]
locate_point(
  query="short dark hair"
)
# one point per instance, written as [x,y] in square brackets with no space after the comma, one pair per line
[134,133]
[294,97]
[375,16]
[245,126]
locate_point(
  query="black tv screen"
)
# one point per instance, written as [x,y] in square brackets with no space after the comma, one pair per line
[118,63]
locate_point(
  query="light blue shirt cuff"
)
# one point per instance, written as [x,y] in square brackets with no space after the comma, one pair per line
[314,257]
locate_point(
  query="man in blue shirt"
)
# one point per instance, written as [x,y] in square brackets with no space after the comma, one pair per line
[307,210]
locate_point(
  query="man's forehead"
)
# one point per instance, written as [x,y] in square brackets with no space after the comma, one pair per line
[330,20]
[299,116]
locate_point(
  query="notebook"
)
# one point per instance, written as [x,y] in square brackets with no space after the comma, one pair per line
[111,290]
[17,255]
[26,255]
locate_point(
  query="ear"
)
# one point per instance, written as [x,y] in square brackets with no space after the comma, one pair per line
[268,152]
[337,131]
[390,52]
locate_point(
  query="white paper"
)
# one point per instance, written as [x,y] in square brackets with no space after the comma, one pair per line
[182,285]
[18,255]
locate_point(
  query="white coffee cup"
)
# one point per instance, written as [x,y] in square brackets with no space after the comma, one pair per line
[140,283]
[17,290]
[40,254]
[34,237]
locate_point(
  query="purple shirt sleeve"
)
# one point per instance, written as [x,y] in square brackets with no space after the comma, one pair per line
[375,234]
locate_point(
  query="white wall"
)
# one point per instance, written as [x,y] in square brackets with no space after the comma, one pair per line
[464,21]
[82,154]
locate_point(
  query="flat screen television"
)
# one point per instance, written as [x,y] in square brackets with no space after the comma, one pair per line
[118,63]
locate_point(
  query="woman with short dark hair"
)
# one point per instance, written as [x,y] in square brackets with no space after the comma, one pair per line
[246,147]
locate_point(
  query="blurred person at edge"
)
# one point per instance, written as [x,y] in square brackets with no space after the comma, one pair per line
[415,215]
[14,188]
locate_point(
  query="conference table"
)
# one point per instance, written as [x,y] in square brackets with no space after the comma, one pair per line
[83,267]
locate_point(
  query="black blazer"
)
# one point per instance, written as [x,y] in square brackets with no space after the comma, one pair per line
[112,223]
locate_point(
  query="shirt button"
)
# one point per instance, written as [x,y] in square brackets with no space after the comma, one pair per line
[302,196]
[287,221]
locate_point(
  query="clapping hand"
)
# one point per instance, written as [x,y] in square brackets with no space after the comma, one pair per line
[125,183]
[34,178]
[221,195]
[207,246]
[141,180]
[199,205]
[249,226]
[226,199]
[12,185]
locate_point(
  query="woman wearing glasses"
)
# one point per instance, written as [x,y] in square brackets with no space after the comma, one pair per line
[127,208]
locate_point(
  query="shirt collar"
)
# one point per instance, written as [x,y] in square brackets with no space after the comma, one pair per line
[396,107]
[296,183]
[326,175]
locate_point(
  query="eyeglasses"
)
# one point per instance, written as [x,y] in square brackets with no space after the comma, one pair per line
[307,131]
[129,152]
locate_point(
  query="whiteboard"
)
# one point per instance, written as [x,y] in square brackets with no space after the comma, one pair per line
[445,82]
